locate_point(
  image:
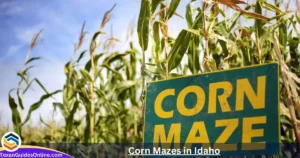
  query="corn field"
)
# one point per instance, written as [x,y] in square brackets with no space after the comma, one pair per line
[110,87]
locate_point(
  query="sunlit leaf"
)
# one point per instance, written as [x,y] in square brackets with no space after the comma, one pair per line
[85,74]
[189,15]
[143,24]
[179,49]
[173,6]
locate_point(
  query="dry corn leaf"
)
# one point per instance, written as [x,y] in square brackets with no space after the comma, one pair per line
[294,77]
[159,12]
[178,15]
[34,40]
[164,30]
[292,84]
[113,39]
[245,33]
[106,17]
[239,2]
[215,9]
[297,105]
[206,66]
[285,111]
[233,4]
[81,37]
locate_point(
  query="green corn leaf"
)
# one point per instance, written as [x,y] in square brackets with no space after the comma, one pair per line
[271,7]
[217,36]
[143,24]
[38,82]
[280,15]
[294,27]
[127,84]
[161,22]
[283,33]
[156,36]
[233,25]
[221,30]
[88,65]
[193,54]
[32,59]
[23,77]
[173,6]
[27,87]
[27,69]
[115,56]
[119,130]
[194,31]
[20,100]
[285,121]
[85,75]
[162,15]
[222,13]
[212,64]
[48,138]
[36,105]
[175,75]
[41,85]
[178,50]
[41,119]
[198,21]
[81,56]
[16,119]
[155,4]
[128,69]
[189,15]
[119,68]
[133,60]
[150,64]
[87,134]
[298,18]
[93,42]
[70,118]
[111,69]
[258,22]
[83,95]
[61,107]
[67,68]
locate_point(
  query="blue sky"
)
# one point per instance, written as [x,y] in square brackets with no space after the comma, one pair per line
[61,22]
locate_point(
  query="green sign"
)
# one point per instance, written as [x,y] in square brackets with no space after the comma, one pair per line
[235,111]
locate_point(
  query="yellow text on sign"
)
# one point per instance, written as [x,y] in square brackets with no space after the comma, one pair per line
[160,135]
[243,88]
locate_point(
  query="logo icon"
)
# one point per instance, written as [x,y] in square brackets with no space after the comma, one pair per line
[11,141]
